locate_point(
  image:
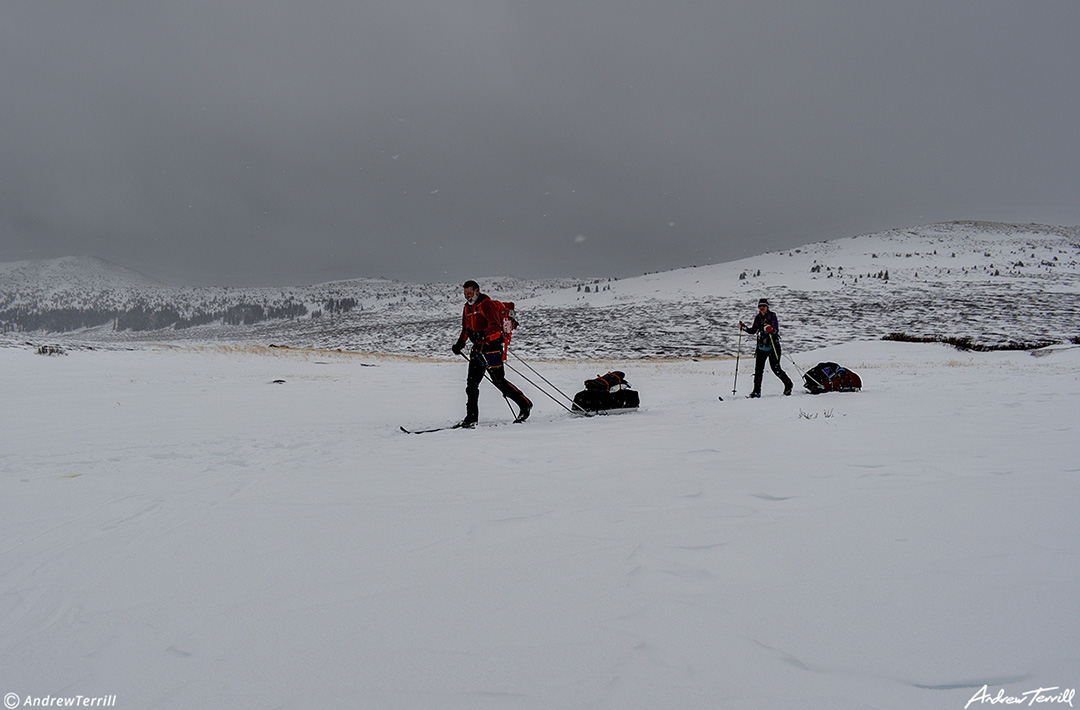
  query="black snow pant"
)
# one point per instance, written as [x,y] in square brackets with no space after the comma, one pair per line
[773,356]
[489,358]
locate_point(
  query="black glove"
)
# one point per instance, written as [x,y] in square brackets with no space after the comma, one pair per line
[458,347]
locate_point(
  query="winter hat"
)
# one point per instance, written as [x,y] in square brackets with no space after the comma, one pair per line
[763,302]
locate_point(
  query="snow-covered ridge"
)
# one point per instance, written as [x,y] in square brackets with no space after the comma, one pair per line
[989,282]
[68,274]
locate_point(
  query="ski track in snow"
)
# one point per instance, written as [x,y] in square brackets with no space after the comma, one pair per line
[180,531]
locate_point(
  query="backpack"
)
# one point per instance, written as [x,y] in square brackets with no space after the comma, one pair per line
[830,377]
[610,391]
[507,321]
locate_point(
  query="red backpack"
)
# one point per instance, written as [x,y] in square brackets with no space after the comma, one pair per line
[507,321]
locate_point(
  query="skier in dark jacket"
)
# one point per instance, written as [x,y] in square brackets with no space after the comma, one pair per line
[482,325]
[768,347]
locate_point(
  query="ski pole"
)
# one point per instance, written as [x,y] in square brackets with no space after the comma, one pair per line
[772,342]
[488,375]
[738,354]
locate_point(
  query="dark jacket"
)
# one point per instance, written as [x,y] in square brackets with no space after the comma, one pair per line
[760,321]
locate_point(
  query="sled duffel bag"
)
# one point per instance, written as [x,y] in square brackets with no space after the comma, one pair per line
[830,377]
[592,400]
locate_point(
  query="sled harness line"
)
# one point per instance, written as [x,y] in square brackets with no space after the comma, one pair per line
[541,389]
[532,369]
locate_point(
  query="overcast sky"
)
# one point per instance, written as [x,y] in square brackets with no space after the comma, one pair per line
[285,142]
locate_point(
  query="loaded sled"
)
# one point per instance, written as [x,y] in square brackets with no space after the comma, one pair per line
[607,392]
[830,377]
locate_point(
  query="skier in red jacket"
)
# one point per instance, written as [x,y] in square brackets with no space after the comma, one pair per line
[481,324]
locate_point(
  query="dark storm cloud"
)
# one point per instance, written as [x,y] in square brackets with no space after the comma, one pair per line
[272,142]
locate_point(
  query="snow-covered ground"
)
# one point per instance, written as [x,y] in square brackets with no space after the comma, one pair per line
[179,531]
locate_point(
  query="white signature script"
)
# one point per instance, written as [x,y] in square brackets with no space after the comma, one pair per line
[1031,697]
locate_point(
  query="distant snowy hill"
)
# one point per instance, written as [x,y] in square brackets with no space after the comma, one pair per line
[69,274]
[992,283]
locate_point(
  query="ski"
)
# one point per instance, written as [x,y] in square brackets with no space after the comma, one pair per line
[428,431]
[583,414]
[458,425]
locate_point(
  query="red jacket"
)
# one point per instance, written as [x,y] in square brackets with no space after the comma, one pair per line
[480,321]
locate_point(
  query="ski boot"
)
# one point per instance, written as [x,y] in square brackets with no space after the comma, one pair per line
[523,414]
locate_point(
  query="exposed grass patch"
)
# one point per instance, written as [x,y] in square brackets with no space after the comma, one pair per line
[967,343]
[315,354]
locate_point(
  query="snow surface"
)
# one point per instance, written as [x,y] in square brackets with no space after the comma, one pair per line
[180,531]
